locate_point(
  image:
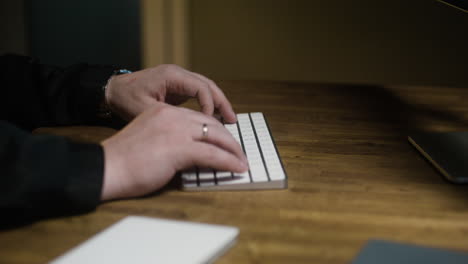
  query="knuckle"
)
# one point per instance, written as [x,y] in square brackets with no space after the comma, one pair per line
[170,67]
[167,69]
[212,84]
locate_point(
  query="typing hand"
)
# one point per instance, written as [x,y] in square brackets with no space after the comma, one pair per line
[130,94]
[164,139]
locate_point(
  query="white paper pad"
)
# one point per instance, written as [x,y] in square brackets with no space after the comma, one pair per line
[142,240]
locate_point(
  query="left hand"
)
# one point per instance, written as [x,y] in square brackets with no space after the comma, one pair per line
[130,94]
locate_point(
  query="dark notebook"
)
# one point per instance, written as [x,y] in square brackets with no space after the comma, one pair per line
[385,252]
[448,152]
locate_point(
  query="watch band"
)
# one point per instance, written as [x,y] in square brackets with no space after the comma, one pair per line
[104,108]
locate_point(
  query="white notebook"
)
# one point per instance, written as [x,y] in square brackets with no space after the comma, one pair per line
[266,170]
[146,240]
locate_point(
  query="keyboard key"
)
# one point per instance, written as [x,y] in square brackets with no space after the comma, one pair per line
[206,177]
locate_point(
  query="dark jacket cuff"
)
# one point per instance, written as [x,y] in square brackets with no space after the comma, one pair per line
[46,176]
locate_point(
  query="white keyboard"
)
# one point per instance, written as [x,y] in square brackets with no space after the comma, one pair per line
[265,168]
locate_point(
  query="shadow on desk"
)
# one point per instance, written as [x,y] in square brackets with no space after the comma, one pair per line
[386,104]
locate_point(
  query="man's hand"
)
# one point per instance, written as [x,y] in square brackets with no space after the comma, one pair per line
[130,94]
[164,139]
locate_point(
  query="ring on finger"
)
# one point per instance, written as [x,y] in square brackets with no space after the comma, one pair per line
[205,130]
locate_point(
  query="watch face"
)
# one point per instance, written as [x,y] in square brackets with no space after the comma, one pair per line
[122,71]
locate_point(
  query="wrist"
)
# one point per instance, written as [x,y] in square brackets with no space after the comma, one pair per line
[113,173]
[105,109]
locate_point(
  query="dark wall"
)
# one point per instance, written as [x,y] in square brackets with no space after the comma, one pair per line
[100,32]
[421,42]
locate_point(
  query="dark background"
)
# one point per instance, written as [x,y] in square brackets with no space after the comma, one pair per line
[66,32]
[417,42]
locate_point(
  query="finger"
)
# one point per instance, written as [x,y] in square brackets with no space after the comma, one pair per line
[195,87]
[221,137]
[220,100]
[216,132]
[210,156]
[200,118]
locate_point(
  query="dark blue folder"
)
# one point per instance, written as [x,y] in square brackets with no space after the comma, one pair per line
[386,252]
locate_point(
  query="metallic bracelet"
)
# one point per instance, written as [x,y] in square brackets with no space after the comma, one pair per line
[104,108]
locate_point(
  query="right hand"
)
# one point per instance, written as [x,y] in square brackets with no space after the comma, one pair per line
[164,139]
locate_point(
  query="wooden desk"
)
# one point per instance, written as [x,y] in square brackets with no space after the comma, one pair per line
[352,176]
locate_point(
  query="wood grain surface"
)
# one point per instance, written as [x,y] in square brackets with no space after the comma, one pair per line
[353,176]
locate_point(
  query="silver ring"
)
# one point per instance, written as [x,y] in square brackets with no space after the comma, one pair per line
[205,130]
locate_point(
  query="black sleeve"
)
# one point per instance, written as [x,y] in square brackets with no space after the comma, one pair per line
[44,176]
[34,95]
